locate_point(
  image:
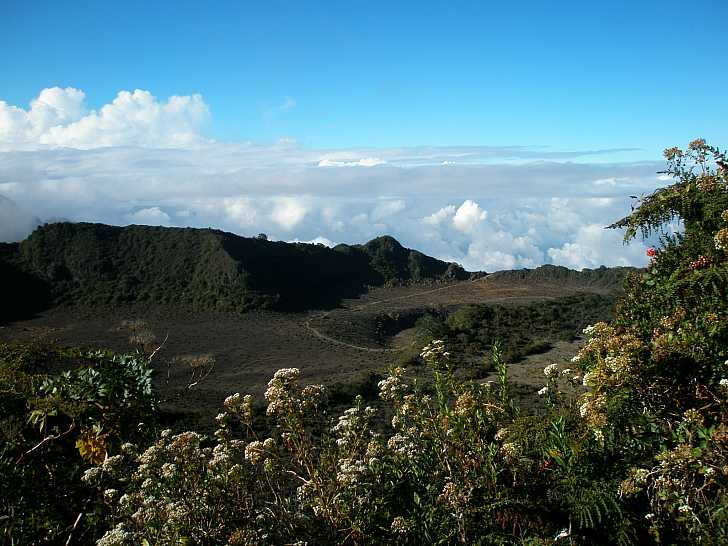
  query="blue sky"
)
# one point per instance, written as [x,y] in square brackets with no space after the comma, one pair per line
[499,135]
[562,74]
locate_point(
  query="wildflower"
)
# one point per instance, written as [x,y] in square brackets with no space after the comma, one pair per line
[684,509]
[464,403]
[112,463]
[588,330]
[232,401]
[564,533]
[721,239]
[110,494]
[672,153]
[697,144]
[567,371]
[400,525]
[254,452]
[449,495]
[550,370]
[269,465]
[692,416]
[543,391]
[392,387]
[168,470]
[723,382]
[509,450]
[649,516]
[92,475]
[350,471]
[401,445]
[116,537]
[312,396]
[651,252]
[575,358]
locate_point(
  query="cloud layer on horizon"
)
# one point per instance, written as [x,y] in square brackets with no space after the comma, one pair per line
[145,161]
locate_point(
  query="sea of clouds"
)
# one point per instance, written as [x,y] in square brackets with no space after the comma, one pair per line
[141,160]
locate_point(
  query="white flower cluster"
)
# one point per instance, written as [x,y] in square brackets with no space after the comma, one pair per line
[277,393]
[510,450]
[256,451]
[501,434]
[588,380]
[434,350]
[350,471]
[551,369]
[118,536]
[352,425]
[402,445]
[392,387]
[92,475]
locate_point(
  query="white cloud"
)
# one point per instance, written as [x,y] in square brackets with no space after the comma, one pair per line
[288,212]
[593,246]
[144,160]
[15,223]
[437,218]
[363,162]
[468,215]
[387,208]
[317,241]
[152,216]
[58,117]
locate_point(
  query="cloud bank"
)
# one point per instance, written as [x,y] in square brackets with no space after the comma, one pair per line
[145,161]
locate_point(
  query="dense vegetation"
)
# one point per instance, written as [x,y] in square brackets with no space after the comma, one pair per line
[60,411]
[96,264]
[640,458]
[601,277]
[524,329]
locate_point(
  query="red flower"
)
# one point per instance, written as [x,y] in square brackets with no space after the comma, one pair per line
[651,252]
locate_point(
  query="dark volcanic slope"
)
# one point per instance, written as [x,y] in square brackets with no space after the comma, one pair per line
[610,278]
[207,269]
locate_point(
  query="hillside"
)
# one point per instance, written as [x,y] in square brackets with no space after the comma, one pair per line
[394,262]
[96,264]
[610,278]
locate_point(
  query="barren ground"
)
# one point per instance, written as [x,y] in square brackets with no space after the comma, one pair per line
[334,346]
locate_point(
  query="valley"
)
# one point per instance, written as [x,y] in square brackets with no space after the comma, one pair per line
[347,348]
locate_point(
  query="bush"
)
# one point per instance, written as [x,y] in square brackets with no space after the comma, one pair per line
[55,426]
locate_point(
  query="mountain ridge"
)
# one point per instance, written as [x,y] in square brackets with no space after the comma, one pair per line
[206,269]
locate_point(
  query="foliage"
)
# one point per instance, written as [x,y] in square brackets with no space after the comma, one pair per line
[96,264]
[53,425]
[522,329]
